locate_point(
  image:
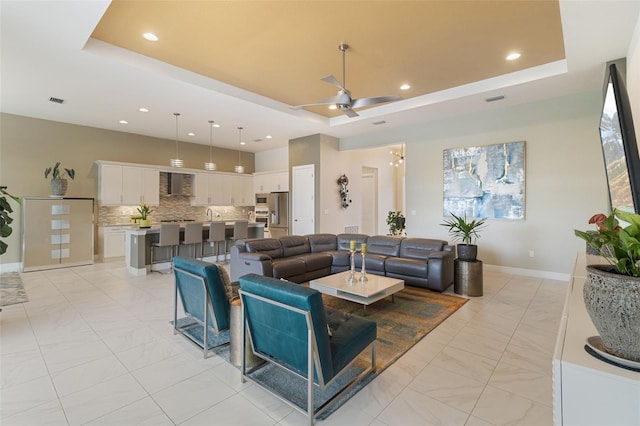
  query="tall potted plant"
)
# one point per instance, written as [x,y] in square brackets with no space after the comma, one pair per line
[58,181]
[612,291]
[466,231]
[5,217]
[396,222]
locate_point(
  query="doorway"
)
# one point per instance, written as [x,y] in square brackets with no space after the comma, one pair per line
[369,200]
[303,200]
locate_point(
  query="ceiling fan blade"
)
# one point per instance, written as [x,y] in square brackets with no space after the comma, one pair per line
[363,102]
[332,80]
[351,113]
[332,100]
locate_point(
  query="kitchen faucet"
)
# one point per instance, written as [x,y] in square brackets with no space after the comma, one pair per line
[210,215]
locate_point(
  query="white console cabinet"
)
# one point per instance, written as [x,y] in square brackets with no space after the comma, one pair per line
[587,391]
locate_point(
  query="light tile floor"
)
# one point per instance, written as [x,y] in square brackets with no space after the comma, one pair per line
[94,346]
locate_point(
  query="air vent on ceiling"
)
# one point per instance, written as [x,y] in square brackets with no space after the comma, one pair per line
[257,140]
[377,123]
[56,100]
[495,98]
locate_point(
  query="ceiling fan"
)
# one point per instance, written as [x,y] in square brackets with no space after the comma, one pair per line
[342,100]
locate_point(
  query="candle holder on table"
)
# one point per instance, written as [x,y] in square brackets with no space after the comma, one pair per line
[352,271]
[363,276]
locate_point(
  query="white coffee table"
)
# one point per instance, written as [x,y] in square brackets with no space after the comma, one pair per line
[365,293]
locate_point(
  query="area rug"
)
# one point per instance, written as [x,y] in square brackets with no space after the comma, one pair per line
[401,324]
[11,289]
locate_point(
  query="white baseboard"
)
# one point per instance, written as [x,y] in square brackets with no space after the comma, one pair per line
[528,272]
[10,267]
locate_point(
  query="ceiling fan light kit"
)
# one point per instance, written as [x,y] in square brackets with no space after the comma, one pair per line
[342,100]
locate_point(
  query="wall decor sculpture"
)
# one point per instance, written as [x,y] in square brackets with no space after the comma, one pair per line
[485,181]
[343,181]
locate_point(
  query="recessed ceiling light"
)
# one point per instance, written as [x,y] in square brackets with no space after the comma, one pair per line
[123,122]
[150,36]
[269,136]
[216,125]
[405,87]
[333,107]
[191,134]
[243,143]
[512,56]
[143,109]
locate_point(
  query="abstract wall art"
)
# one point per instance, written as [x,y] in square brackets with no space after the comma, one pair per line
[485,181]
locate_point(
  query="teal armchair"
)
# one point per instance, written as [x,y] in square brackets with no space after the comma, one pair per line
[199,287]
[288,325]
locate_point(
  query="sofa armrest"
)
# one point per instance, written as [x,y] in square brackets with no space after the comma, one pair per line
[440,270]
[243,263]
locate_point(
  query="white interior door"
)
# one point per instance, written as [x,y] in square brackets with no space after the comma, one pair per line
[302,200]
[370,203]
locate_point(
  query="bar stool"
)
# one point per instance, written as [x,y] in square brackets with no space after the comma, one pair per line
[217,236]
[193,236]
[240,230]
[169,237]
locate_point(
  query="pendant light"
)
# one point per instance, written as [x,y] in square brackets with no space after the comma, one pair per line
[210,165]
[176,162]
[239,168]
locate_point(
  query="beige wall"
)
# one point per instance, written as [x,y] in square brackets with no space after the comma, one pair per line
[29,145]
[565,178]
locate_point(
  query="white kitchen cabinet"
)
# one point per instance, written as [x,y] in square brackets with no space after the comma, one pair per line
[113,241]
[222,189]
[242,190]
[110,183]
[265,182]
[201,193]
[128,185]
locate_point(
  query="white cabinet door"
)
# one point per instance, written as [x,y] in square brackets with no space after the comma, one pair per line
[150,186]
[201,191]
[131,185]
[281,181]
[110,182]
[113,245]
[248,198]
[258,184]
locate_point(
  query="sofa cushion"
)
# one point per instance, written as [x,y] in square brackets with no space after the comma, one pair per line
[288,267]
[385,245]
[404,266]
[269,246]
[315,261]
[293,245]
[322,242]
[420,248]
[343,240]
[374,262]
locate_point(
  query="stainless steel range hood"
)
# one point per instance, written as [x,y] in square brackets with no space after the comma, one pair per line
[176,184]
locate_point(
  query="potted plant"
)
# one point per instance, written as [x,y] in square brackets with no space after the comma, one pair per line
[396,222]
[461,229]
[5,217]
[612,291]
[144,211]
[58,181]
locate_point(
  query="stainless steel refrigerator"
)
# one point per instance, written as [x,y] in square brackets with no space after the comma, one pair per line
[278,214]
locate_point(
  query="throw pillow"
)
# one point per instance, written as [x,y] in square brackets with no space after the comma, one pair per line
[232,291]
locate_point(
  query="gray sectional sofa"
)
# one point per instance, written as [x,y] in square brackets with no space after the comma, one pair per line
[420,262]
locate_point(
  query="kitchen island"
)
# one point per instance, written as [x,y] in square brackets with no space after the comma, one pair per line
[138,246]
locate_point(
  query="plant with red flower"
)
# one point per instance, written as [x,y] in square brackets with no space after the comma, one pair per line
[619,246]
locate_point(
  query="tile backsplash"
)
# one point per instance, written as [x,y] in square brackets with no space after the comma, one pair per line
[172,207]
